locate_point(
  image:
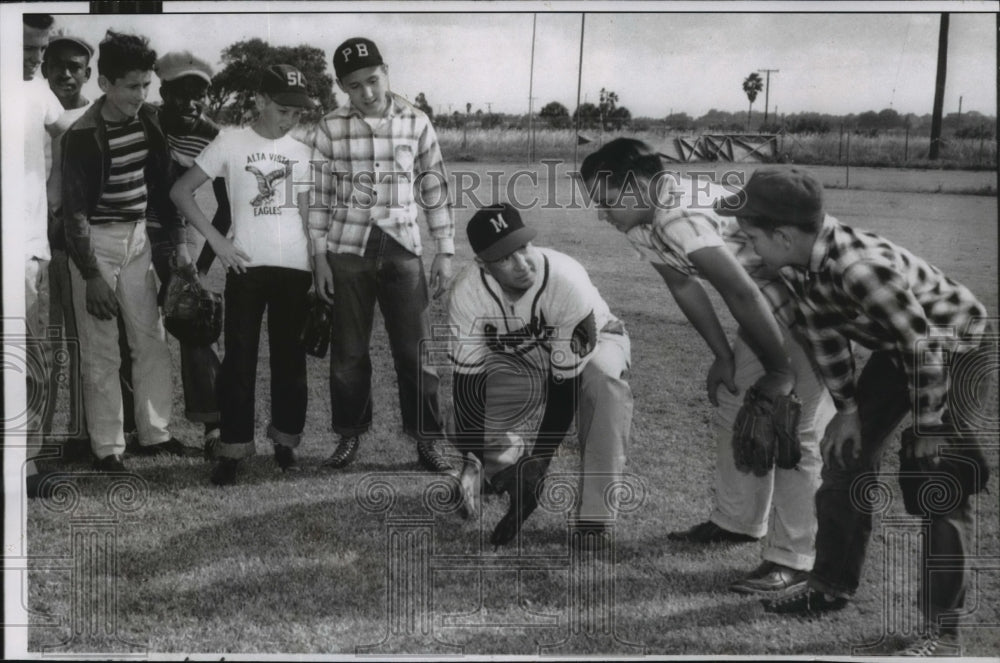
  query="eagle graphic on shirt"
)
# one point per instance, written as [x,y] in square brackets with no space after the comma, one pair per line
[267,184]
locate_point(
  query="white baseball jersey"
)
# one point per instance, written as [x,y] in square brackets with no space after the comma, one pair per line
[554,325]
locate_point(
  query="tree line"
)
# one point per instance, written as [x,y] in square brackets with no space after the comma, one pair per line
[230,101]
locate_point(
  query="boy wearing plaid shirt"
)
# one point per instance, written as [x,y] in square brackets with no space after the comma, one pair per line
[851,286]
[381,160]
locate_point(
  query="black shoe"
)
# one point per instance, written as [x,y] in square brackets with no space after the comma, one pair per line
[432,459]
[770,577]
[37,486]
[709,532]
[172,447]
[347,450]
[109,464]
[224,473]
[285,457]
[806,602]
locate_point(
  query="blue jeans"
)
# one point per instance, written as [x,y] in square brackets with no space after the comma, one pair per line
[284,293]
[883,399]
[199,364]
[394,277]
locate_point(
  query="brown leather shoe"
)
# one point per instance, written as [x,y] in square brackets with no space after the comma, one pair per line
[770,577]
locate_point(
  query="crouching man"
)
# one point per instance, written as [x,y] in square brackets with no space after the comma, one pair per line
[529,328]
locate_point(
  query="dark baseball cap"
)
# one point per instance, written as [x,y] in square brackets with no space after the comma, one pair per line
[790,196]
[355,53]
[497,231]
[285,85]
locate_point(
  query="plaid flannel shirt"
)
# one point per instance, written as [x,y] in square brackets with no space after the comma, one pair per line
[378,176]
[680,227]
[860,287]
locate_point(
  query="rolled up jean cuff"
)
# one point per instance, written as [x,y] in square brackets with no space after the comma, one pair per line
[822,586]
[290,440]
[236,451]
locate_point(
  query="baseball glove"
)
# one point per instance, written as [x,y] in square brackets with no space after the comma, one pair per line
[315,334]
[765,433]
[192,313]
[941,483]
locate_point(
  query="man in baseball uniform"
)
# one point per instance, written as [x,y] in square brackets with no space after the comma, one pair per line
[528,327]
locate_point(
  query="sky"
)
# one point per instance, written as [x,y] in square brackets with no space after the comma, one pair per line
[656,62]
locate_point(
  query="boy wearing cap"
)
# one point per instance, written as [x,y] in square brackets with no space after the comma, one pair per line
[66,67]
[852,286]
[268,266]
[382,162]
[115,164]
[529,327]
[185,80]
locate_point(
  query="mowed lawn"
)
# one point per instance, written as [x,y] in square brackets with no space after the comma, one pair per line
[368,560]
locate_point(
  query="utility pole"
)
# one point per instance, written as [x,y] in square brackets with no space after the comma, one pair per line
[579,82]
[942,70]
[767,87]
[959,112]
[531,99]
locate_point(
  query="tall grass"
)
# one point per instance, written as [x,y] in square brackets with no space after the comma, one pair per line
[891,150]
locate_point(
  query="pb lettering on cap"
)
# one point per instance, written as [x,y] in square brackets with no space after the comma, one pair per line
[355,53]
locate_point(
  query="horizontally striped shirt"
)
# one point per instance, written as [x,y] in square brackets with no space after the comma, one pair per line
[378,176]
[684,223]
[124,195]
[863,288]
[186,135]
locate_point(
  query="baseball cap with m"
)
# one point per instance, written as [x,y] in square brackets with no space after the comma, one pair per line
[786,196]
[497,231]
[355,53]
[285,85]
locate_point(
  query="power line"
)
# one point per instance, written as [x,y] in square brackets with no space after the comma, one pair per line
[767,88]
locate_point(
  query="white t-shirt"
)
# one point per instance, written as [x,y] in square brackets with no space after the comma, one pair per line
[554,325]
[41,109]
[259,173]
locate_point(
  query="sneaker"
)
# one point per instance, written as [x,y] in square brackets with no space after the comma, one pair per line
[709,532]
[770,577]
[346,451]
[224,473]
[285,457]
[109,464]
[936,645]
[470,486]
[172,447]
[432,459]
[806,602]
[211,445]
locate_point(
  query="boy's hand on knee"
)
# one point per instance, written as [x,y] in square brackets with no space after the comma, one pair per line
[323,278]
[721,372]
[101,300]
[843,429]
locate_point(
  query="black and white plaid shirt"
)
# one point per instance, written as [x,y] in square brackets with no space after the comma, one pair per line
[863,288]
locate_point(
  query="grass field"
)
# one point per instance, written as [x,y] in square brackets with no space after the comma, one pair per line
[321,563]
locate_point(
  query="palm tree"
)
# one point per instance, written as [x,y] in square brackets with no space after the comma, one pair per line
[752,86]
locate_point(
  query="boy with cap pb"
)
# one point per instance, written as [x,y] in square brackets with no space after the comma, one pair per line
[530,328]
[367,247]
[929,340]
[268,266]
